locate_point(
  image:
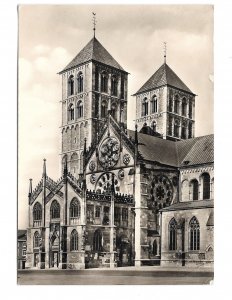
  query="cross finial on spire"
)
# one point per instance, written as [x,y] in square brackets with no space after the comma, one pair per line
[165,51]
[94,23]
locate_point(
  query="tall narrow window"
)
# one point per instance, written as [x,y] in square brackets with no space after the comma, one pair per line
[190,131]
[183,130]
[71,85]
[176,104]
[71,112]
[96,79]
[74,163]
[206,185]
[154,248]
[113,111]
[170,103]
[176,128]
[74,241]
[154,104]
[145,107]
[36,239]
[170,126]
[194,238]
[97,212]
[80,82]
[184,107]
[103,109]
[97,240]
[79,109]
[172,234]
[104,82]
[55,210]
[37,214]
[122,86]
[75,208]
[190,109]
[194,189]
[114,86]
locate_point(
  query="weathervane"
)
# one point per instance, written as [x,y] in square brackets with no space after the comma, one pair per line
[94,23]
[165,51]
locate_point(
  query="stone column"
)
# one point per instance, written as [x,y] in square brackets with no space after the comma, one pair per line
[137,219]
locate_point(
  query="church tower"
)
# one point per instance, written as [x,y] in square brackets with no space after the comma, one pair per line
[93,84]
[165,106]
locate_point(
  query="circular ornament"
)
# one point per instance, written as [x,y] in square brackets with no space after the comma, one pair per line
[109,152]
[104,184]
[121,174]
[126,159]
[92,165]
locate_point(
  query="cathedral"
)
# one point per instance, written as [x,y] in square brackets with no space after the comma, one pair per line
[125,197]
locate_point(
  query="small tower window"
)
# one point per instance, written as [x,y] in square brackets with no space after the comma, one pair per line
[176,104]
[96,78]
[114,86]
[71,112]
[190,131]
[145,107]
[190,109]
[170,126]
[176,128]
[170,103]
[103,109]
[113,111]
[184,107]
[122,86]
[104,82]
[80,82]
[79,109]
[70,85]
[183,130]
[154,104]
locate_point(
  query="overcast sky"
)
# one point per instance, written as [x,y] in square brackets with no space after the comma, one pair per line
[50,36]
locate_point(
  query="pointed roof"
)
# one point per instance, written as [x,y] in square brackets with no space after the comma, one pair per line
[93,51]
[164,76]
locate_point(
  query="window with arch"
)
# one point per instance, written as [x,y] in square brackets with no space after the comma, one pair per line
[176,104]
[75,209]
[74,163]
[114,111]
[103,109]
[114,86]
[190,109]
[79,109]
[96,78]
[206,185]
[36,240]
[155,248]
[80,82]
[170,125]
[71,112]
[176,128]
[194,189]
[37,212]
[55,210]
[64,159]
[153,126]
[170,103]
[122,86]
[172,234]
[74,240]
[194,232]
[97,240]
[104,82]
[184,107]
[190,131]
[145,107]
[154,104]
[183,130]
[70,85]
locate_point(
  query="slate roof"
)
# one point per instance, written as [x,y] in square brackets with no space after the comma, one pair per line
[93,51]
[190,205]
[164,76]
[199,150]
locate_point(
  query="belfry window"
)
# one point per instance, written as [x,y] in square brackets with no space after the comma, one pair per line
[75,208]
[190,131]
[97,240]
[80,82]
[170,126]
[103,109]
[183,130]
[190,109]
[71,112]
[79,109]
[71,85]
[114,86]
[104,82]
[145,107]
[36,240]
[176,128]
[74,241]
[206,185]
[113,110]
[122,86]
[184,107]
[176,104]
[154,104]
[194,231]
[172,234]
[55,210]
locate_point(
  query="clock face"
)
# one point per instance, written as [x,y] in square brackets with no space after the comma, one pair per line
[109,152]
[161,192]
[104,184]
